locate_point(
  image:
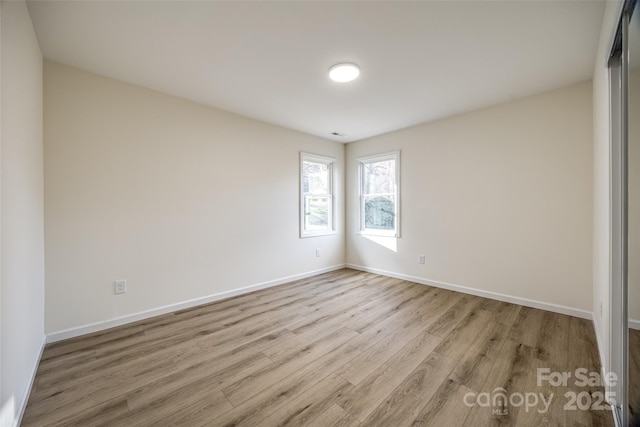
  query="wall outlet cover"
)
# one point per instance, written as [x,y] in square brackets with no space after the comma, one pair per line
[120,287]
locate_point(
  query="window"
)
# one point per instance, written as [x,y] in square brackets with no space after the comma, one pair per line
[379,178]
[316,195]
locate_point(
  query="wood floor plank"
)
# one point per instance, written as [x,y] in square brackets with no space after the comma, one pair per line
[378,353]
[552,344]
[444,408]
[456,343]
[504,312]
[550,400]
[100,373]
[58,407]
[348,310]
[243,325]
[104,338]
[223,340]
[310,331]
[404,404]
[203,411]
[374,389]
[527,326]
[60,365]
[206,376]
[475,365]
[253,347]
[261,405]
[335,416]
[509,373]
[337,313]
[206,406]
[356,288]
[439,301]
[95,415]
[249,386]
[450,319]
[310,404]
[199,321]
[582,348]
[402,299]
[345,348]
[110,366]
[180,408]
[310,287]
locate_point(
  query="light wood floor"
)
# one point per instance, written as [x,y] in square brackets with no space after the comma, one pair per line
[341,349]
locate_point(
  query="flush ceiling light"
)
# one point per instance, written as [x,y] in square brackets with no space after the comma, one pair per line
[344,72]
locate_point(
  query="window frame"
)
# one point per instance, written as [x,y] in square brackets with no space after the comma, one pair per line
[362,161]
[329,161]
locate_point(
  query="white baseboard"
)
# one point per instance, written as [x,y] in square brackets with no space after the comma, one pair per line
[123,320]
[604,368]
[570,311]
[601,350]
[25,398]
[634,324]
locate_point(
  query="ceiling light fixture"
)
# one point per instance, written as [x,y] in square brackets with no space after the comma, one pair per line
[344,72]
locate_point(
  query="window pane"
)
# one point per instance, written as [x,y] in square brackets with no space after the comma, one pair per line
[316,197]
[379,212]
[315,177]
[379,209]
[316,213]
[380,177]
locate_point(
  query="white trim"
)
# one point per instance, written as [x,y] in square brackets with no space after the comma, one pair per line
[601,349]
[617,15]
[316,158]
[603,366]
[391,155]
[25,398]
[570,311]
[118,321]
[330,162]
[634,324]
[615,419]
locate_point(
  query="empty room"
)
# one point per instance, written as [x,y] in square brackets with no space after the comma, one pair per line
[332,213]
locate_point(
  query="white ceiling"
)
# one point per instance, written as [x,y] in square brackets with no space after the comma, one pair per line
[419,61]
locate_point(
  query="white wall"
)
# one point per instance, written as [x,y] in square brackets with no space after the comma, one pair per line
[499,200]
[182,200]
[22,259]
[601,182]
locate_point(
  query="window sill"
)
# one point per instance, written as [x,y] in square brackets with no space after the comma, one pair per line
[318,234]
[379,233]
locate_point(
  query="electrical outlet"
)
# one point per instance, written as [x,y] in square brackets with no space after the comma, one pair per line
[120,287]
[421,259]
[317,252]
